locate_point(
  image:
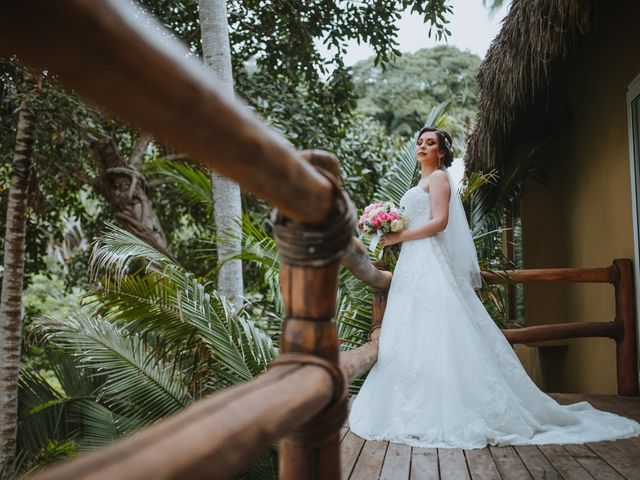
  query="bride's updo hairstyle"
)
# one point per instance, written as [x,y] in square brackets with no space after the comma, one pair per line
[444,142]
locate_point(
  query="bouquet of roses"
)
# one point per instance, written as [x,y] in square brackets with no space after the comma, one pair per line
[380,218]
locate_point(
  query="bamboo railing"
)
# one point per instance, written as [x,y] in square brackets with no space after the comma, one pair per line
[622,328]
[96,48]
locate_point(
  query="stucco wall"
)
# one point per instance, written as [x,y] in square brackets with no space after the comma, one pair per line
[583,218]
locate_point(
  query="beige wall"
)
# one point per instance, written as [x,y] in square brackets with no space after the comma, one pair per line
[583,218]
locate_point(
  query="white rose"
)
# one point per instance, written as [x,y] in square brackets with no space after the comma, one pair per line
[396,226]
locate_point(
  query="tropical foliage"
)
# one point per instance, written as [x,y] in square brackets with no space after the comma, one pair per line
[150,339]
[401,96]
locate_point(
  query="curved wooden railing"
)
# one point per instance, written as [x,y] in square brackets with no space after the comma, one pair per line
[96,49]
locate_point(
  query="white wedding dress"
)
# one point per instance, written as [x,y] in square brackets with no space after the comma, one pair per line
[447,377]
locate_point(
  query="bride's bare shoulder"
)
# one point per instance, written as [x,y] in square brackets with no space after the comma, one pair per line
[438,179]
[438,176]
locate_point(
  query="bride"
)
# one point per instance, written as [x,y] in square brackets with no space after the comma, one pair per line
[446,376]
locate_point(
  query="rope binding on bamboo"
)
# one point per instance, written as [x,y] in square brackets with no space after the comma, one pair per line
[317,245]
[329,420]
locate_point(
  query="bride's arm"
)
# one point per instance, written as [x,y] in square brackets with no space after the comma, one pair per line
[440,193]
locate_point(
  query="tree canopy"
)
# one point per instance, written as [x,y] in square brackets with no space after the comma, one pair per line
[401,96]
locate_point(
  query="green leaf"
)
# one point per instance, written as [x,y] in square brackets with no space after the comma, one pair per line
[132,385]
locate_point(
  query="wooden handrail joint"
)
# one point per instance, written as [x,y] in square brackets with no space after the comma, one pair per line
[317,244]
[331,418]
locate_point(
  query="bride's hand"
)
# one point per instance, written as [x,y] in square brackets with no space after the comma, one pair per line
[389,239]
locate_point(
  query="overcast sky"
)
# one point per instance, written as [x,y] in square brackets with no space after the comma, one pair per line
[472,28]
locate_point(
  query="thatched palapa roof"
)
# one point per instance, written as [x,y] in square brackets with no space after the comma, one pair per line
[521,63]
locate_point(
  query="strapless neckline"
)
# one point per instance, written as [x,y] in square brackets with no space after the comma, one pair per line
[419,189]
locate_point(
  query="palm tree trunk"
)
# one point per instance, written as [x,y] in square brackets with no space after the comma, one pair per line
[12,281]
[227,205]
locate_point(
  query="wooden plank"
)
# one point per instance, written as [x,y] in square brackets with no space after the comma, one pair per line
[592,463]
[396,463]
[625,466]
[350,449]
[564,463]
[509,463]
[628,406]
[370,461]
[453,465]
[631,405]
[567,398]
[629,448]
[536,463]
[481,464]
[607,403]
[424,464]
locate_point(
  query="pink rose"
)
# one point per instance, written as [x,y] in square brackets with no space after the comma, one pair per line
[376,222]
[384,217]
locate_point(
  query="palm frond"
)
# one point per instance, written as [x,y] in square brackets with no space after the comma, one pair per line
[402,175]
[132,385]
[49,425]
[172,302]
[264,468]
[41,412]
[259,252]
[255,344]
[115,254]
[474,181]
[146,304]
[192,182]
[438,115]
[99,425]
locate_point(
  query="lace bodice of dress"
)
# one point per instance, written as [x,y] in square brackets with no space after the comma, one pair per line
[417,206]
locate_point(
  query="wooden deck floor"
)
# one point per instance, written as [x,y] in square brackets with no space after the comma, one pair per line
[617,460]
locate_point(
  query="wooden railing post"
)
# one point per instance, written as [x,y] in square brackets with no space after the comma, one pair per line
[626,341]
[309,295]
[310,259]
